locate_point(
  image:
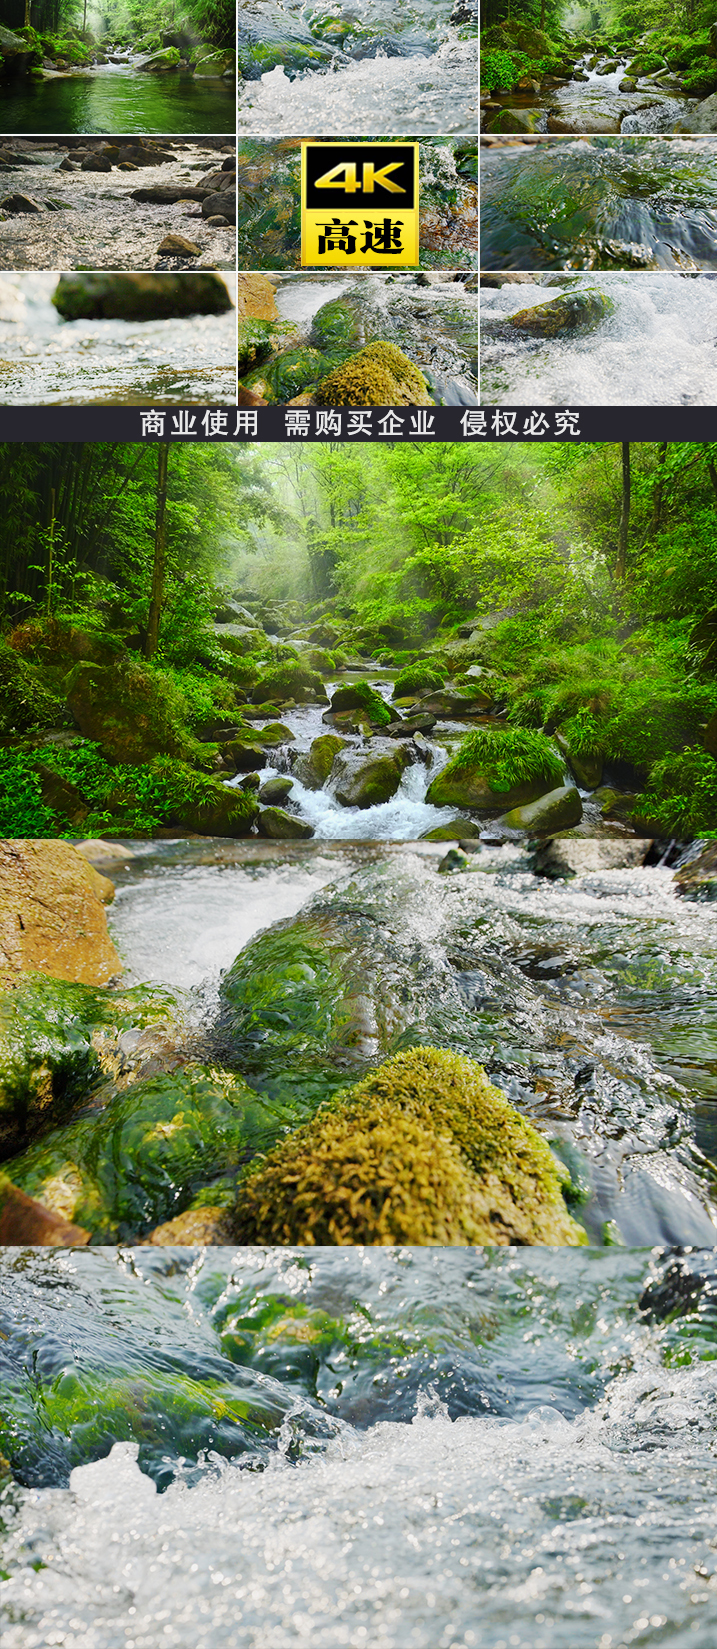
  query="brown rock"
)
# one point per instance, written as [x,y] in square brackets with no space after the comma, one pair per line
[256,298]
[196,1226]
[180,247]
[23,1222]
[51,914]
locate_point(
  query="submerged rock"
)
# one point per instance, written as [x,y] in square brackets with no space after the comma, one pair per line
[425,1150]
[140,297]
[571,312]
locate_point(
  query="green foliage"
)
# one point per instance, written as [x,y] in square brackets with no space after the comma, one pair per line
[507,756]
[680,797]
[22,810]
[24,701]
[417,676]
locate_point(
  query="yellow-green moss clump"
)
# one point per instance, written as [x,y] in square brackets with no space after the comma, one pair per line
[424,1151]
[378,376]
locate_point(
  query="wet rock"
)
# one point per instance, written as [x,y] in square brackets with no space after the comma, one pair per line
[361,696]
[256,298]
[52,917]
[283,827]
[424,1151]
[453,831]
[221,204]
[579,856]
[198,1227]
[446,705]
[582,123]
[514,120]
[12,45]
[140,297]
[215,66]
[25,1223]
[470,787]
[276,791]
[217,222]
[703,118]
[143,153]
[68,165]
[697,880]
[379,375]
[572,312]
[244,756]
[96,163]
[17,204]
[558,810]
[312,770]
[158,62]
[367,777]
[423,723]
[627,85]
[180,247]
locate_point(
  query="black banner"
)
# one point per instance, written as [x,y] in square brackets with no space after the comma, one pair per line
[297,424]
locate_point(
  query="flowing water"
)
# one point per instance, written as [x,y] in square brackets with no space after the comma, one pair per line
[48,362]
[112,98]
[395,69]
[97,224]
[585,102]
[410,1449]
[436,325]
[657,348]
[592,1003]
[606,203]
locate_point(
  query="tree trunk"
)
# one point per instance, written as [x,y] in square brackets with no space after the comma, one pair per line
[160,549]
[50,554]
[659,489]
[27,13]
[84,17]
[624,512]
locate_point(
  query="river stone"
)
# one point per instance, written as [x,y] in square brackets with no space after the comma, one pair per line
[312,770]
[96,163]
[571,312]
[361,696]
[245,757]
[276,791]
[514,120]
[470,788]
[215,66]
[20,203]
[158,62]
[452,832]
[367,777]
[256,301]
[558,810]
[423,723]
[697,880]
[168,194]
[196,1228]
[52,917]
[445,705]
[703,118]
[179,246]
[25,1223]
[273,735]
[217,222]
[220,811]
[283,827]
[566,856]
[222,204]
[627,85]
[140,297]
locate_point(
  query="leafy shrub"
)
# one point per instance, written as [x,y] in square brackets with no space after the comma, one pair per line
[417,676]
[680,796]
[498,71]
[508,756]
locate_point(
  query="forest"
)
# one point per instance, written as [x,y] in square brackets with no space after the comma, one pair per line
[545,614]
[599,66]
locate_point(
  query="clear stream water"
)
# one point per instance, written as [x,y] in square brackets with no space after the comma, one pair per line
[99,225]
[112,98]
[602,203]
[455,1450]
[592,1003]
[657,348]
[48,362]
[420,75]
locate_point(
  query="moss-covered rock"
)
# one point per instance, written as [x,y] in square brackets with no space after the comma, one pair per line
[336,327]
[571,312]
[292,371]
[133,712]
[256,341]
[140,297]
[369,776]
[144,1157]
[158,62]
[24,701]
[697,880]
[361,696]
[281,826]
[289,681]
[495,770]
[455,831]
[417,677]
[312,770]
[560,809]
[424,1151]
[202,804]
[275,791]
[379,375]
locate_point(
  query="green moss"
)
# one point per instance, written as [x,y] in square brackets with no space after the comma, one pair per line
[256,341]
[288,681]
[293,371]
[379,375]
[362,696]
[423,1151]
[24,702]
[335,327]
[418,676]
[141,1160]
[507,756]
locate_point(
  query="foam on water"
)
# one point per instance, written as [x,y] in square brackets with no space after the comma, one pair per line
[658,347]
[379,96]
[544,1526]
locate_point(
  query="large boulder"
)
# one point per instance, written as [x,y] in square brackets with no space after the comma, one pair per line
[697,880]
[140,297]
[496,770]
[215,66]
[368,776]
[558,810]
[313,769]
[281,826]
[124,707]
[361,696]
[447,705]
[158,62]
[579,856]
[424,1151]
[703,118]
[379,375]
[52,914]
[223,203]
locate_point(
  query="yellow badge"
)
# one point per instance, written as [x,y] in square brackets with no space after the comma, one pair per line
[359,205]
